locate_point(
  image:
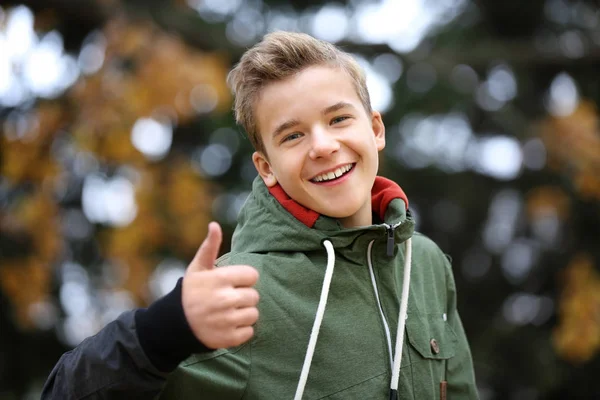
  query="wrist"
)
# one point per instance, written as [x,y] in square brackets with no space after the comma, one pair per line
[164,333]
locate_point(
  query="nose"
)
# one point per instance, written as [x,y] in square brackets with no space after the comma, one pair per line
[323,144]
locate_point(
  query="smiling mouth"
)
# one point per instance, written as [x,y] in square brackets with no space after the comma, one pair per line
[333,175]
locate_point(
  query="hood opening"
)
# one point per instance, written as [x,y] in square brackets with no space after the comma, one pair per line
[383,192]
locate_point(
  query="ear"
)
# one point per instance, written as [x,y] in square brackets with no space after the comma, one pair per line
[378,130]
[264,169]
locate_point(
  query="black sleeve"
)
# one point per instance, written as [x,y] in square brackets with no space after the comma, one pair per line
[164,333]
[130,358]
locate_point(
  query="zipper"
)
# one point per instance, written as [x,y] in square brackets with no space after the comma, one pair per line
[390,240]
[386,326]
[391,243]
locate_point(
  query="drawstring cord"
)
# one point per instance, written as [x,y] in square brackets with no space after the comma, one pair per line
[312,343]
[401,321]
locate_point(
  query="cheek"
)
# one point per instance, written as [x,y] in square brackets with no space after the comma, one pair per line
[289,165]
[369,152]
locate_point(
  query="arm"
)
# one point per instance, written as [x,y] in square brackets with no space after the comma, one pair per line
[130,358]
[459,369]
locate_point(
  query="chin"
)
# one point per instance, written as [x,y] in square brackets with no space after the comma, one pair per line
[337,213]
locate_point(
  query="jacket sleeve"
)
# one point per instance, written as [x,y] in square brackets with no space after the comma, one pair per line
[460,375]
[130,358]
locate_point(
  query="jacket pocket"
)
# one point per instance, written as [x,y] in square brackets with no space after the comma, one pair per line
[431,336]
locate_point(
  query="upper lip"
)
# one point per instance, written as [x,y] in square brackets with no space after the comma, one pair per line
[331,169]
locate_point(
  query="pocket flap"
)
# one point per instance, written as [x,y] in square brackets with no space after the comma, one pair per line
[431,336]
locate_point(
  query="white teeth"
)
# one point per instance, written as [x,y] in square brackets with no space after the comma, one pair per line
[332,175]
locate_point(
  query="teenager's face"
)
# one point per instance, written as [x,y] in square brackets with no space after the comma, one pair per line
[315,128]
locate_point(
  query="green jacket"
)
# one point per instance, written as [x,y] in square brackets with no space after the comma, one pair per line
[352,359]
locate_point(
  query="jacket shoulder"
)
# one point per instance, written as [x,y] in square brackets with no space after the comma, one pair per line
[434,263]
[424,244]
[236,258]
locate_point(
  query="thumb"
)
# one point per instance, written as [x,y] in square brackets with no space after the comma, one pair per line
[209,250]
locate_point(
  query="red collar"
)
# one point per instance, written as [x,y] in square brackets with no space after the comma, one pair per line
[383,192]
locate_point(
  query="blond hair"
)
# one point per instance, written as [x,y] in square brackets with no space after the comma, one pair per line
[278,56]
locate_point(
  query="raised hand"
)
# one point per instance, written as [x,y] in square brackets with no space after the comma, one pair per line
[219,303]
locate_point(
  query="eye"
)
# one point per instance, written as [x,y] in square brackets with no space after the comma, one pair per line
[339,119]
[291,136]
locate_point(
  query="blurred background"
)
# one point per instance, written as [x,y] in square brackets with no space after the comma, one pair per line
[117,147]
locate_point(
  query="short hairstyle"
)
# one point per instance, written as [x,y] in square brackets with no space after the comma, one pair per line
[278,56]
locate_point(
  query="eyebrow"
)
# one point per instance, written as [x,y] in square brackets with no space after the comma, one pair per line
[336,107]
[293,122]
[285,126]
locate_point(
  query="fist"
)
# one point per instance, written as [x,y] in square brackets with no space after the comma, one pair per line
[219,303]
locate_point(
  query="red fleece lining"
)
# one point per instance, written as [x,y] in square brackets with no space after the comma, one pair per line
[305,215]
[383,192]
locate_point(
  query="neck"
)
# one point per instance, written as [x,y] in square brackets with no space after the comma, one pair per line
[363,217]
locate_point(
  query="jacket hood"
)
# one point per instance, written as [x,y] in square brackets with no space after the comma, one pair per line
[287,226]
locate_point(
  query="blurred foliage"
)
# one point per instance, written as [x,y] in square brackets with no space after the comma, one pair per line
[573,144]
[99,113]
[577,337]
[524,245]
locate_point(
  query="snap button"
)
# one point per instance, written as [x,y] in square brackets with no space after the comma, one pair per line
[435,348]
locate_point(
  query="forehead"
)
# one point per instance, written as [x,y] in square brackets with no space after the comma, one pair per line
[303,96]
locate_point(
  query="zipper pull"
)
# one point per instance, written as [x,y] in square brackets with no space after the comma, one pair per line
[390,241]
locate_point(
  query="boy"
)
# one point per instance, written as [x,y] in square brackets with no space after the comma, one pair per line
[341,270]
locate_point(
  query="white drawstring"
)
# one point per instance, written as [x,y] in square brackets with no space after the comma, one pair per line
[402,317]
[312,343]
[386,327]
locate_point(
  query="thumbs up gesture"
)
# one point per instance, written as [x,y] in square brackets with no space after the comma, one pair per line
[219,303]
